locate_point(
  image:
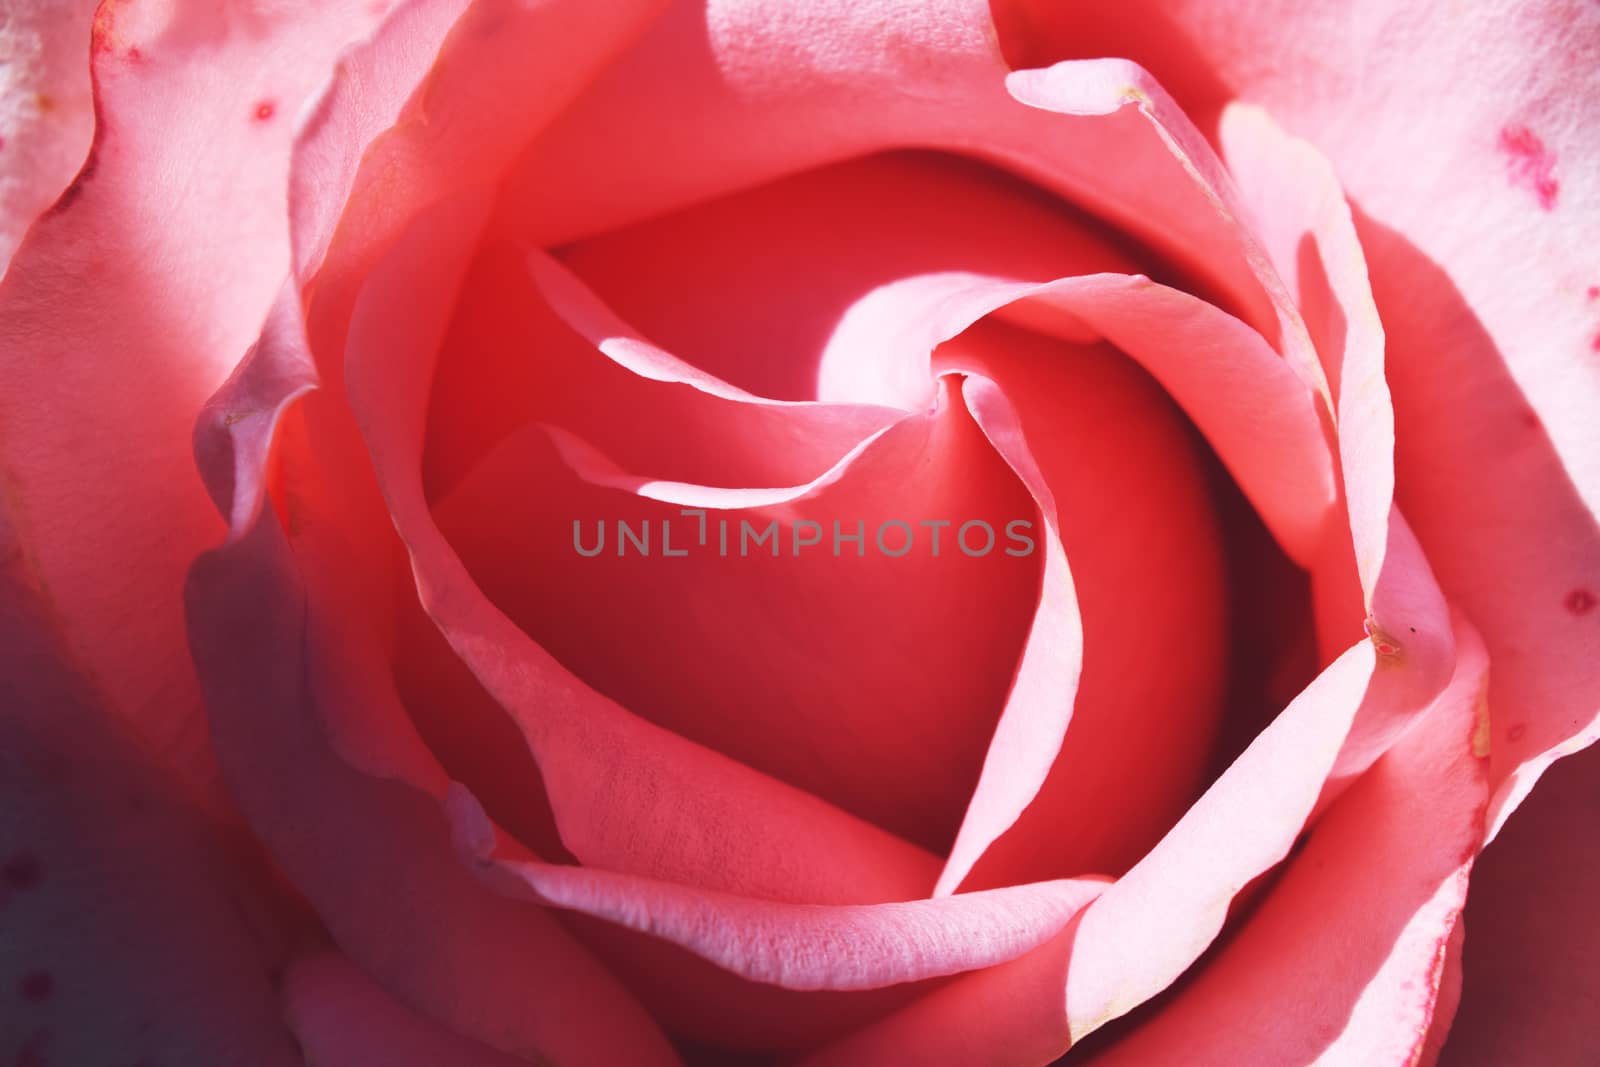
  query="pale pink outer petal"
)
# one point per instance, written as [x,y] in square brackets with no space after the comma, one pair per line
[130,930]
[342,1018]
[1480,249]
[1531,988]
[46,108]
[125,308]
[1342,962]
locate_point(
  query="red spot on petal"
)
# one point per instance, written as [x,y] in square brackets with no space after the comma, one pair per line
[36,986]
[1530,418]
[1594,342]
[265,110]
[1515,733]
[1530,164]
[1580,601]
[1594,292]
[22,871]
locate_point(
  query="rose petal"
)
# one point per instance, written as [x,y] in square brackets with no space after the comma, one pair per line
[46,109]
[840,90]
[380,853]
[1532,981]
[1342,962]
[875,732]
[116,323]
[802,946]
[1015,1013]
[1306,229]
[1148,584]
[930,244]
[1494,384]
[626,794]
[129,929]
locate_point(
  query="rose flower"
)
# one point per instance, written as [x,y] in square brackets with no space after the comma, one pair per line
[761,532]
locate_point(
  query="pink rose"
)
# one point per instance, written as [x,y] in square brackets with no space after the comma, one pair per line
[1161,494]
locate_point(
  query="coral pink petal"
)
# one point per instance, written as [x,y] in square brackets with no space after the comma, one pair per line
[1531,986]
[116,323]
[131,928]
[340,1016]
[46,109]
[1148,574]
[627,795]
[1494,385]
[1342,962]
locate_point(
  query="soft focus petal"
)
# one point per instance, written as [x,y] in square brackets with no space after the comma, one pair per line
[46,108]
[342,1018]
[117,320]
[1531,987]
[128,928]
